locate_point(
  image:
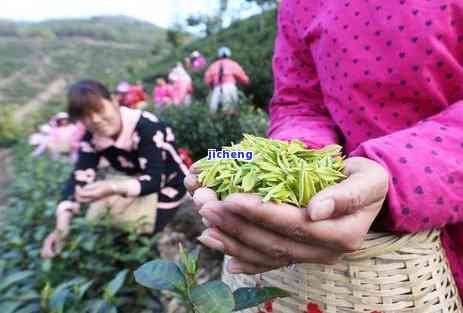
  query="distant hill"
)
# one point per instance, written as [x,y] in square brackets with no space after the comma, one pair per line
[117,28]
[33,55]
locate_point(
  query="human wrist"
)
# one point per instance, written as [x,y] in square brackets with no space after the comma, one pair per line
[118,188]
[61,233]
[115,188]
[63,222]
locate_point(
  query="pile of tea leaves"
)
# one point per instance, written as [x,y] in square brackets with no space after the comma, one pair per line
[282,172]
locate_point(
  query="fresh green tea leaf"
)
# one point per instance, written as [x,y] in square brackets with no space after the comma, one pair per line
[114,285]
[160,274]
[212,297]
[250,297]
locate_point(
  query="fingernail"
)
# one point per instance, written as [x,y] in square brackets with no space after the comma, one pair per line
[206,222]
[321,210]
[211,216]
[234,267]
[211,242]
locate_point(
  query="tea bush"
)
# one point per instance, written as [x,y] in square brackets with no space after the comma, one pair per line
[198,130]
[94,272]
[10,130]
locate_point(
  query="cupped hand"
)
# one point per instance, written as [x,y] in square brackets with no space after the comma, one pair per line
[52,245]
[264,236]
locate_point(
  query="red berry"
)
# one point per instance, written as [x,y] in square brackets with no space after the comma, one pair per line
[269,306]
[313,308]
[185,155]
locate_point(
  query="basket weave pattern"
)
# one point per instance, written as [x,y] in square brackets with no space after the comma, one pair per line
[390,274]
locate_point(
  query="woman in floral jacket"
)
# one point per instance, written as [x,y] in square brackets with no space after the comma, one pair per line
[135,143]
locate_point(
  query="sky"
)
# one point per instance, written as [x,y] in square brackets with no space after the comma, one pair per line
[160,12]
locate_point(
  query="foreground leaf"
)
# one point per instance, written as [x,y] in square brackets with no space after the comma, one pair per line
[160,274]
[251,297]
[58,300]
[116,284]
[31,308]
[212,297]
[9,307]
[14,278]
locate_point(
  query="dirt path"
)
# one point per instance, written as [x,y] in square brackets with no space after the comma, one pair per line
[11,78]
[39,62]
[54,88]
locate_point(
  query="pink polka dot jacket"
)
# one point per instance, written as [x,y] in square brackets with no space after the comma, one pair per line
[385,80]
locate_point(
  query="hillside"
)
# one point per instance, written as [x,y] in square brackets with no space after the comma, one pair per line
[34,55]
[251,41]
[118,28]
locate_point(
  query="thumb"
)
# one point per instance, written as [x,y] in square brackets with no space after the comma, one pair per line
[367,183]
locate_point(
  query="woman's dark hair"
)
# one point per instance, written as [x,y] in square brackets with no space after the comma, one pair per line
[85,97]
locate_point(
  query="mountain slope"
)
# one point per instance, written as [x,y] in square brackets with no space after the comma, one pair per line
[110,49]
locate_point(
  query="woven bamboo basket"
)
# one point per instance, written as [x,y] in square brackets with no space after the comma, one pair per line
[390,274]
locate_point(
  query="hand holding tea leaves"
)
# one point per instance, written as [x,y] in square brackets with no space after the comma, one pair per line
[261,236]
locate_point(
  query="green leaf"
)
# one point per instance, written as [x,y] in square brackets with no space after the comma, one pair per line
[83,289]
[46,265]
[114,285]
[189,261]
[101,306]
[249,181]
[14,278]
[212,297]
[29,295]
[160,274]
[58,300]
[66,285]
[251,297]
[31,308]
[9,307]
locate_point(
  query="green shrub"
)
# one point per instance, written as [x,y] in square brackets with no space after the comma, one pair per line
[10,130]
[198,130]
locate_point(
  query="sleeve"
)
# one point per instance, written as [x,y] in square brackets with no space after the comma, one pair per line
[209,76]
[85,169]
[297,110]
[141,94]
[152,142]
[157,95]
[240,75]
[425,163]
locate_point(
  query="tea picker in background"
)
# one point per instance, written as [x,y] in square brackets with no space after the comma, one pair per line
[182,85]
[121,93]
[134,143]
[136,96]
[222,77]
[197,61]
[60,137]
[162,93]
[132,96]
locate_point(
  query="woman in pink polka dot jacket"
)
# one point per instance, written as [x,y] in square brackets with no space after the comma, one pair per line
[384,79]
